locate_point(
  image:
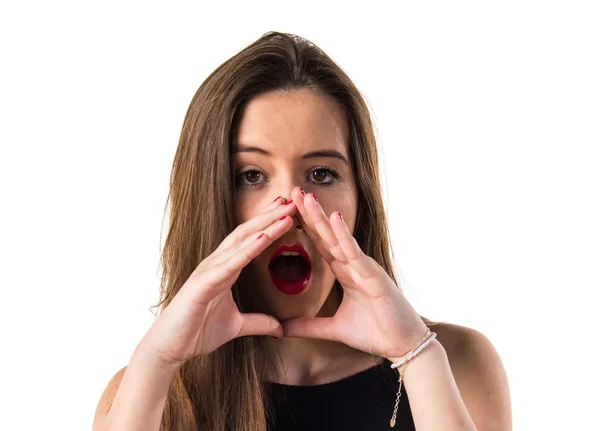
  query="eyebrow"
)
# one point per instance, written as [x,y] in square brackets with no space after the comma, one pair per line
[310,155]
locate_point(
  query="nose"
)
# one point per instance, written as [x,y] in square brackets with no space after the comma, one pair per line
[298,224]
[287,190]
[297,218]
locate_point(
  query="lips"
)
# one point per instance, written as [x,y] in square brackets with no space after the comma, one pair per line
[290,269]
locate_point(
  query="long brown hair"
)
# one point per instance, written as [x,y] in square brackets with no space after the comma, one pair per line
[224,390]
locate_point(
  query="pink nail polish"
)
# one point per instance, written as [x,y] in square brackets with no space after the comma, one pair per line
[260,236]
[276,198]
[340,214]
[302,191]
[287,203]
[283,218]
[315,197]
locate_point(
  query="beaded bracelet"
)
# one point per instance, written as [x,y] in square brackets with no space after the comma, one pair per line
[424,343]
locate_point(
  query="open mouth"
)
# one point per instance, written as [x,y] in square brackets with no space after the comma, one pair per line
[290,269]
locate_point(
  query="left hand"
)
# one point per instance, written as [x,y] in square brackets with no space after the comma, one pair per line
[374,315]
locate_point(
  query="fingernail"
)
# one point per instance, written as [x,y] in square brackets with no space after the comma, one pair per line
[340,214]
[287,203]
[276,198]
[302,191]
[260,236]
[315,196]
[283,218]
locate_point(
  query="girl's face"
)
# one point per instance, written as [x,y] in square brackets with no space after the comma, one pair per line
[287,139]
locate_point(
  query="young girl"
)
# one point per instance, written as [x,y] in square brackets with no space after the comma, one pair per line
[280,308]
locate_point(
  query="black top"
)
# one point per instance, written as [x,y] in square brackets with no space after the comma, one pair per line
[364,401]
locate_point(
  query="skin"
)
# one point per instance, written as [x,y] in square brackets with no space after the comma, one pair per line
[457,383]
[459,376]
[288,125]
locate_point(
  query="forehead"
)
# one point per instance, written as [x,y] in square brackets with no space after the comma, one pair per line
[293,120]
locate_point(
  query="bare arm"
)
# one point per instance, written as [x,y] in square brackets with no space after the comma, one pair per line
[458,386]
[192,325]
[137,393]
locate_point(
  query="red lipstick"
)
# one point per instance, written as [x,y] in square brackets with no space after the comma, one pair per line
[295,281]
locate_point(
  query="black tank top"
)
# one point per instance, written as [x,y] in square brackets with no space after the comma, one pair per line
[364,401]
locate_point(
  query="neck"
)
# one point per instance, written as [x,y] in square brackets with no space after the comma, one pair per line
[305,362]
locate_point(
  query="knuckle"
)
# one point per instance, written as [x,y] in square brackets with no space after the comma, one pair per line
[236,234]
[230,266]
[247,255]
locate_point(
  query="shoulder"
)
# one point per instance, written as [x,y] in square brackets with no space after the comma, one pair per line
[479,374]
[107,398]
[463,343]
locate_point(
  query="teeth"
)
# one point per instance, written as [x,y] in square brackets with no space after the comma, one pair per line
[290,253]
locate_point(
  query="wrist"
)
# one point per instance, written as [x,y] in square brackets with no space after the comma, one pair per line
[427,339]
[434,346]
[149,358]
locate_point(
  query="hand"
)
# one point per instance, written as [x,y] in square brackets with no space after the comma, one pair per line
[203,315]
[374,315]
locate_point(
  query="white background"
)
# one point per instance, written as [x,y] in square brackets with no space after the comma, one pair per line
[487,114]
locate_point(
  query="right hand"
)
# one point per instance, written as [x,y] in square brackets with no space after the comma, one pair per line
[203,315]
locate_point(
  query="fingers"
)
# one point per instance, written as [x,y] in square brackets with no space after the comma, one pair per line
[309,227]
[318,223]
[260,324]
[274,231]
[273,212]
[222,275]
[321,224]
[297,196]
[334,236]
[310,327]
[349,247]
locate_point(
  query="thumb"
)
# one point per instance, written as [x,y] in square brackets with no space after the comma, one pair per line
[310,327]
[260,324]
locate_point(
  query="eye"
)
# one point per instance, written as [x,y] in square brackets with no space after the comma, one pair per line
[320,175]
[249,178]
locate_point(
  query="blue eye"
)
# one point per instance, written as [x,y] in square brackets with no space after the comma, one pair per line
[321,176]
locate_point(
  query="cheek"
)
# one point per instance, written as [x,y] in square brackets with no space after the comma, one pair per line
[346,206]
[243,211]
